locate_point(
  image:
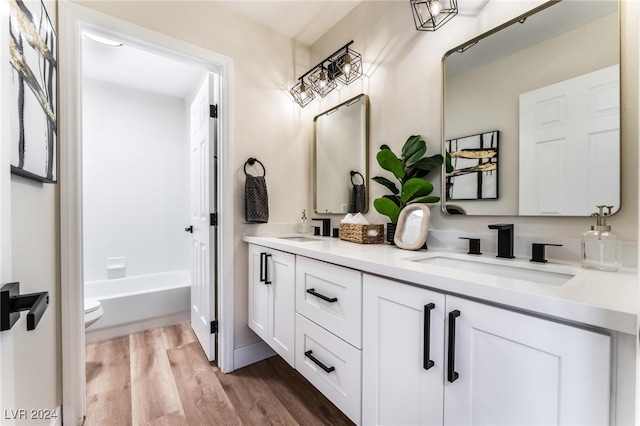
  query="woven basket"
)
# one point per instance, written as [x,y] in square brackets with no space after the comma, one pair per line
[360,233]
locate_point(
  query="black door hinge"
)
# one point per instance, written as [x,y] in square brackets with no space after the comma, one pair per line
[213,219]
[213,111]
[214,327]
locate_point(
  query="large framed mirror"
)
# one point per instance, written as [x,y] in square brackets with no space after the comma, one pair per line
[531,114]
[341,141]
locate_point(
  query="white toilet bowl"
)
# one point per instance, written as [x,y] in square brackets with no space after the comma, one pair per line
[92,312]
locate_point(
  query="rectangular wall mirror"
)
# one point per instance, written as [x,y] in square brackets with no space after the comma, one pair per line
[531,114]
[341,140]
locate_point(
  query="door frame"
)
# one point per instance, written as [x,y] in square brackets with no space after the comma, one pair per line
[73,19]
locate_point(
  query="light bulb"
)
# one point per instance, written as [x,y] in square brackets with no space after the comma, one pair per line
[436,7]
[323,80]
[346,68]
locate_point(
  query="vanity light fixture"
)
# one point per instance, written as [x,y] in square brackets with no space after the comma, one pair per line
[344,66]
[429,15]
[302,93]
[321,83]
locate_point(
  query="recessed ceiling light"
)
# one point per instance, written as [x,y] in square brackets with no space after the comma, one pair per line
[102,40]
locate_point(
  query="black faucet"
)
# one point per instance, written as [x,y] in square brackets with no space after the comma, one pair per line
[326,226]
[537,252]
[505,239]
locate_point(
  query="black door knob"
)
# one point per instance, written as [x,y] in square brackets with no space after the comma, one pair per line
[189,229]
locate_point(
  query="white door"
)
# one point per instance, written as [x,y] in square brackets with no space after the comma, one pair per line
[403,354]
[508,368]
[6,337]
[203,206]
[281,273]
[569,136]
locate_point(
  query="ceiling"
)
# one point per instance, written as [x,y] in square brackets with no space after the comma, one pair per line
[304,21]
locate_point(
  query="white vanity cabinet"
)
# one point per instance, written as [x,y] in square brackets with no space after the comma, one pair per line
[272,299]
[491,365]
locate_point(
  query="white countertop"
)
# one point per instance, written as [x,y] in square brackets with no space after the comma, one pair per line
[600,299]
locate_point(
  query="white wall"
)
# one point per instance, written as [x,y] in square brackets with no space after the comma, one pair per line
[403,80]
[136,180]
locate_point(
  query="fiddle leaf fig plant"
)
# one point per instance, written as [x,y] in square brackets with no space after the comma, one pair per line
[409,170]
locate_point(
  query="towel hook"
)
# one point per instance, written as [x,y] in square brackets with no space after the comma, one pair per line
[353,173]
[251,161]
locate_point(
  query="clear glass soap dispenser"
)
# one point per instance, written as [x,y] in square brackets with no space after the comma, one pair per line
[601,249]
[303,226]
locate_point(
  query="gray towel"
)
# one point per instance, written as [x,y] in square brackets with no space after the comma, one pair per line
[358,201]
[256,199]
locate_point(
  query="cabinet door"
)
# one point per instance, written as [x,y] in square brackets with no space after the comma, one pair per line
[516,369]
[398,322]
[258,292]
[281,273]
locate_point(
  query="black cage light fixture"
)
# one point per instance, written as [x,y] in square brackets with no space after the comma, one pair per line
[344,66]
[429,15]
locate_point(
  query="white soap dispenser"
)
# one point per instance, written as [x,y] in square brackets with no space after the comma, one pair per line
[601,249]
[303,226]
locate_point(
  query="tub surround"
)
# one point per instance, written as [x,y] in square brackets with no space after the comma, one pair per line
[593,298]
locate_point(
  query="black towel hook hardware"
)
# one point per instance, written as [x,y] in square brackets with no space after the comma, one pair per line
[353,173]
[251,161]
[11,303]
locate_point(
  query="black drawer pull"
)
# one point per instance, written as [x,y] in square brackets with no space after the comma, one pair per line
[322,296]
[318,363]
[452,376]
[426,362]
[262,268]
[266,269]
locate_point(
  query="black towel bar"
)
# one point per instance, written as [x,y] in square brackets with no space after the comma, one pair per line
[251,162]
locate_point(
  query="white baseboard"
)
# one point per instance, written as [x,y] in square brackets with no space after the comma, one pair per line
[249,354]
[134,327]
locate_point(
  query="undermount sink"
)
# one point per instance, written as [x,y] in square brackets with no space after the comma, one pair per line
[536,273]
[299,238]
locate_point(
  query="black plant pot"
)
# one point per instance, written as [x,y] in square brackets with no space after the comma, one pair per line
[391,233]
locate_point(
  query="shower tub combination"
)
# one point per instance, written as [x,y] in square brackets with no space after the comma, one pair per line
[139,303]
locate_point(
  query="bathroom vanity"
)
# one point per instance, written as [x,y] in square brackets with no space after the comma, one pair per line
[398,337]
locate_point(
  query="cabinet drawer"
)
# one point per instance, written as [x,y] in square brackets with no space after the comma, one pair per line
[342,384]
[330,296]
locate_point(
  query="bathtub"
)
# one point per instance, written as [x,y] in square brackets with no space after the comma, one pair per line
[138,303]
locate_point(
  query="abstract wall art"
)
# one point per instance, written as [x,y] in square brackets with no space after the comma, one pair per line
[475,167]
[33,58]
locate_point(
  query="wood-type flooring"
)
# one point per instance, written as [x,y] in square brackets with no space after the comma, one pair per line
[162,377]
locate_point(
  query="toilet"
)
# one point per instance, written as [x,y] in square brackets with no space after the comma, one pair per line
[92,312]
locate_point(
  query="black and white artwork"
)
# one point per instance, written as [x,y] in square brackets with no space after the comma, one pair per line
[33,127]
[475,167]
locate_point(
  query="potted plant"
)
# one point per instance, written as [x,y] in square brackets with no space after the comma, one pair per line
[409,169]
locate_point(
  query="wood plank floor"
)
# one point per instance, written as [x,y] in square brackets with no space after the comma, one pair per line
[162,377]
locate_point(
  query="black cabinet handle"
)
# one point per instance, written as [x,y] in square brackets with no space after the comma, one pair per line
[426,362]
[322,296]
[318,363]
[189,229]
[266,269]
[262,268]
[452,376]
